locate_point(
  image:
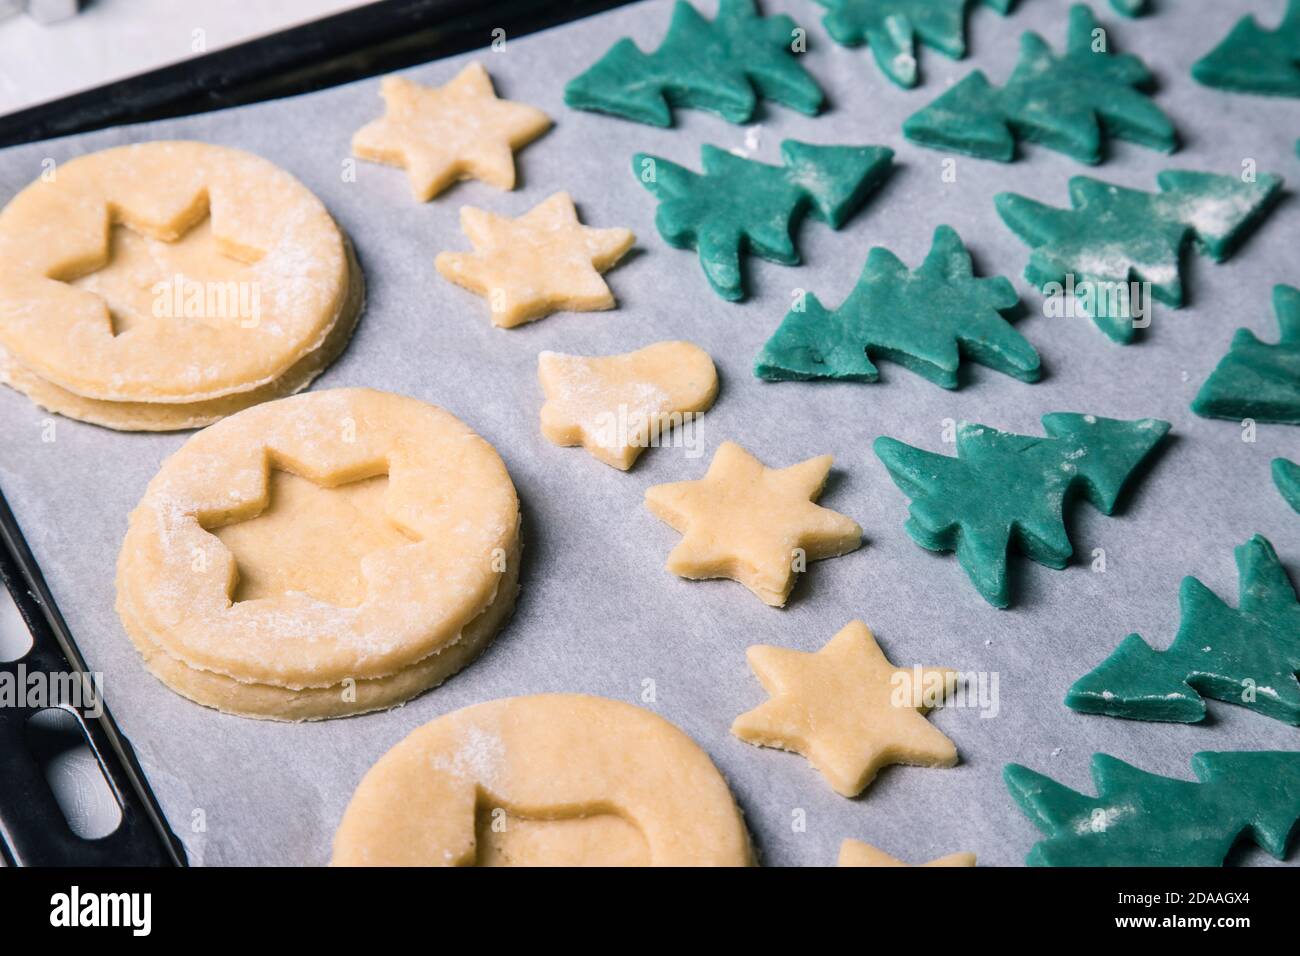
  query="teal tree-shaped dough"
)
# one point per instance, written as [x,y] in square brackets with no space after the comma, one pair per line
[923,319]
[1142,819]
[741,204]
[723,66]
[1114,236]
[1130,8]
[1286,475]
[1248,656]
[1257,380]
[892,27]
[1252,59]
[1004,488]
[1064,102]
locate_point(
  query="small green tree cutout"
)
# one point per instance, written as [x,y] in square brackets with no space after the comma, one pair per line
[1286,475]
[1063,102]
[1255,379]
[1251,59]
[1004,488]
[1142,819]
[722,66]
[741,204]
[924,319]
[1248,655]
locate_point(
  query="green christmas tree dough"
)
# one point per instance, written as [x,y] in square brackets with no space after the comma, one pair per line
[1114,236]
[722,66]
[1130,8]
[1252,59]
[922,319]
[1248,656]
[1004,488]
[741,204]
[1257,380]
[892,27]
[1063,102]
[1286,475]
[1142,819]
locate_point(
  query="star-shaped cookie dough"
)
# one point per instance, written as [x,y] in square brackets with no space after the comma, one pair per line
[545,261]
[752,524]
[847,709]
[442,134]
[857,853]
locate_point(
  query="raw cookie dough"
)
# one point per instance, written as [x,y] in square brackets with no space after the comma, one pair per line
[1064,102]
[545,261]
[751,523]
[1286,475]
[440,135]
[1252,59]
[925,319]
[1004,488]
[548,780]
[722,65]
[892,27]
[170,274]
[848,709]
[1113,237]
[1141,819]
[616,406]
[320,555]
[857,853]
[1255,379]
[1248,656]
[741,204]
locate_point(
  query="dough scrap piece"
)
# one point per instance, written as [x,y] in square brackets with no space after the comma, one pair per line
[248,229]
[616,406]
[571,780]
[1257,380]
[722,65]
[1286,475]
[740,204]
[448,493]
[751,523]
[1063,102]
[848,709]
[1141,819]
[443,134]
[545,261]
[857,853]
[1252,59]
[1248,656]
[1004,488]
[924,319]
[892,27]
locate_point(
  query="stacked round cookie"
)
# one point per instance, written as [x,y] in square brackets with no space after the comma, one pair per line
[267,572]
[166,285]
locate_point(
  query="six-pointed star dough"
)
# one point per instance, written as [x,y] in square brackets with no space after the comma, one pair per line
[847,709]
[545,261]
[751,523]
[857,853]
[456,131]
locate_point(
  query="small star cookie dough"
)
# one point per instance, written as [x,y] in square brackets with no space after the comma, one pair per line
[165,285]
[545,261]
[440,135]
[848,709]
[547,780]
[857,853]
[616,406]
[751,523]
[321,555]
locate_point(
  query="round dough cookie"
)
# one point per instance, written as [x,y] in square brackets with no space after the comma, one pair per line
[548,780]
[352,542]
[170,272]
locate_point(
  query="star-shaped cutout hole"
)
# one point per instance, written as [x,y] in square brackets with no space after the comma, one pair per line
[752,524]
[545,261]
[439,135]
[848,709]
[310,538]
